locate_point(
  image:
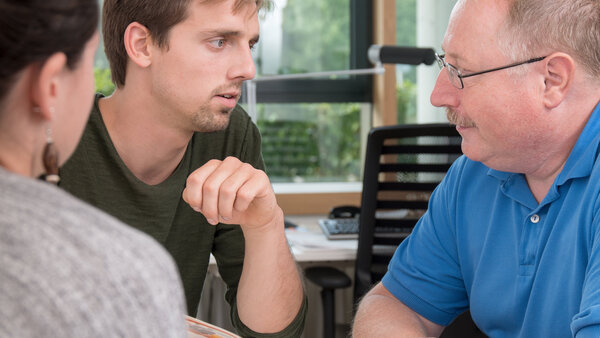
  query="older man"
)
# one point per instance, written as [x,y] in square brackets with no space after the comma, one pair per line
[512,233]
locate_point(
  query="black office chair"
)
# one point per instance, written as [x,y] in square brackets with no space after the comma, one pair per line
[403,165]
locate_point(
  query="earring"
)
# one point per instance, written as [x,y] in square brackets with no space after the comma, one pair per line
[50,159]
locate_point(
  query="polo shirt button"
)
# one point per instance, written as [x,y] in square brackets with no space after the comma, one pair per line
[534,219]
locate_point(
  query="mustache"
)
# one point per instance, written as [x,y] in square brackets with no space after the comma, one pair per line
[455,119]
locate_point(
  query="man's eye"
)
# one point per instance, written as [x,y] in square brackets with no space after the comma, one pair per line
[218,43]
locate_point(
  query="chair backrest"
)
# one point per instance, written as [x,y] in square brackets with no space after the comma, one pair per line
[403,165]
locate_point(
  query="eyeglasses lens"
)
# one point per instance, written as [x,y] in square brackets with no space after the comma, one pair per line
[454,77]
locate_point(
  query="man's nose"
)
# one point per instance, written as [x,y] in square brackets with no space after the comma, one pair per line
[243,66]
[444,94]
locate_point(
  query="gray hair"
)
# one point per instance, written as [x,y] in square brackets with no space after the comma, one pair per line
[534,27]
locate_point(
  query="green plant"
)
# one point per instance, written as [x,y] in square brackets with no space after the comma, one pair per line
[322,145]
[103,81]
[406,102]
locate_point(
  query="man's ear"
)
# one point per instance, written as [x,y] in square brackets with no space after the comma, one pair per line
[137,44]
[558,78]
[45,85]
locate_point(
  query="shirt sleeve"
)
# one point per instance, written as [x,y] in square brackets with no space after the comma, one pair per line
[587,322]
[229,253]
[424,272]
[293,330]
[230,266]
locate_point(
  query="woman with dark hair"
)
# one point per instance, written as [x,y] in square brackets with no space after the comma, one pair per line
[66,269]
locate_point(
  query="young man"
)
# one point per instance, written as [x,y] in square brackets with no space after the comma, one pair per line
[512,233]
[170,153]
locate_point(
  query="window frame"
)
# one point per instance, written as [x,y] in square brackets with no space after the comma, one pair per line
[351,89]
[348,90]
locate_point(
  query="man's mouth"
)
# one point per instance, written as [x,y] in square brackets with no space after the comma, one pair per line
[233,94]
[228,95]
[228,100]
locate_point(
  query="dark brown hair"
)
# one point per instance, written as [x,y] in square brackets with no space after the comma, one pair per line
[158,16]
[33,30]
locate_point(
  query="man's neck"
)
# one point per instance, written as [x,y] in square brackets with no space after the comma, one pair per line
[581,103]
[540,187]
[541,177]
[150,149]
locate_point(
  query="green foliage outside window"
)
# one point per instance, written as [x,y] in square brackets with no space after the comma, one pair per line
[406,102]
[322,146]
[316,36]
[321,142]
[406,35]
[103,81]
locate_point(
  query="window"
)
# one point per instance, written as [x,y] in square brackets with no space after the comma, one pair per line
[432,20]
[312,128]
[406,75]
[422,24]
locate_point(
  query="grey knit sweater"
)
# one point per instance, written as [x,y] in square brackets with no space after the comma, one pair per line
[69,270]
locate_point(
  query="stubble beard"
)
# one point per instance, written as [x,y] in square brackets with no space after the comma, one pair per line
[208,120]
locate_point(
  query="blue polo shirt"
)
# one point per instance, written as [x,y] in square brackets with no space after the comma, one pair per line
[524,269]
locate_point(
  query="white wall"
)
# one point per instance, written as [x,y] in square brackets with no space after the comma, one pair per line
[432,19]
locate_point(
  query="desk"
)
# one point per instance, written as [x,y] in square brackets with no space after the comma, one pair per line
[308,243]
[310,248]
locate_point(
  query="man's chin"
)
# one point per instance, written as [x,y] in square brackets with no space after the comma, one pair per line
[476,153]
[223,118]
[216,121]
[470,150]
[215,127]
[227,111]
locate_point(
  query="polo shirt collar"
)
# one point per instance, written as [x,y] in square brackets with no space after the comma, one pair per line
[583,156]
[579,164]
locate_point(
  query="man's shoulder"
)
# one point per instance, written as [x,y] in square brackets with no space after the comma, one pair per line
[94,123]
[92,149]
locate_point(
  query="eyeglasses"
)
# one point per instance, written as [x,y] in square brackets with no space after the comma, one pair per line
[456,77]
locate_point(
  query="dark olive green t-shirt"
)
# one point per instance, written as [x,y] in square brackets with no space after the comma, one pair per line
[96,174]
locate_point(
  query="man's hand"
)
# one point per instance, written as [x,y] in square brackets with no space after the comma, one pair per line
[232,192]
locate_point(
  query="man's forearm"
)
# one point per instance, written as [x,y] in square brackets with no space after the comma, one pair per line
[270,292]
[380,314]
